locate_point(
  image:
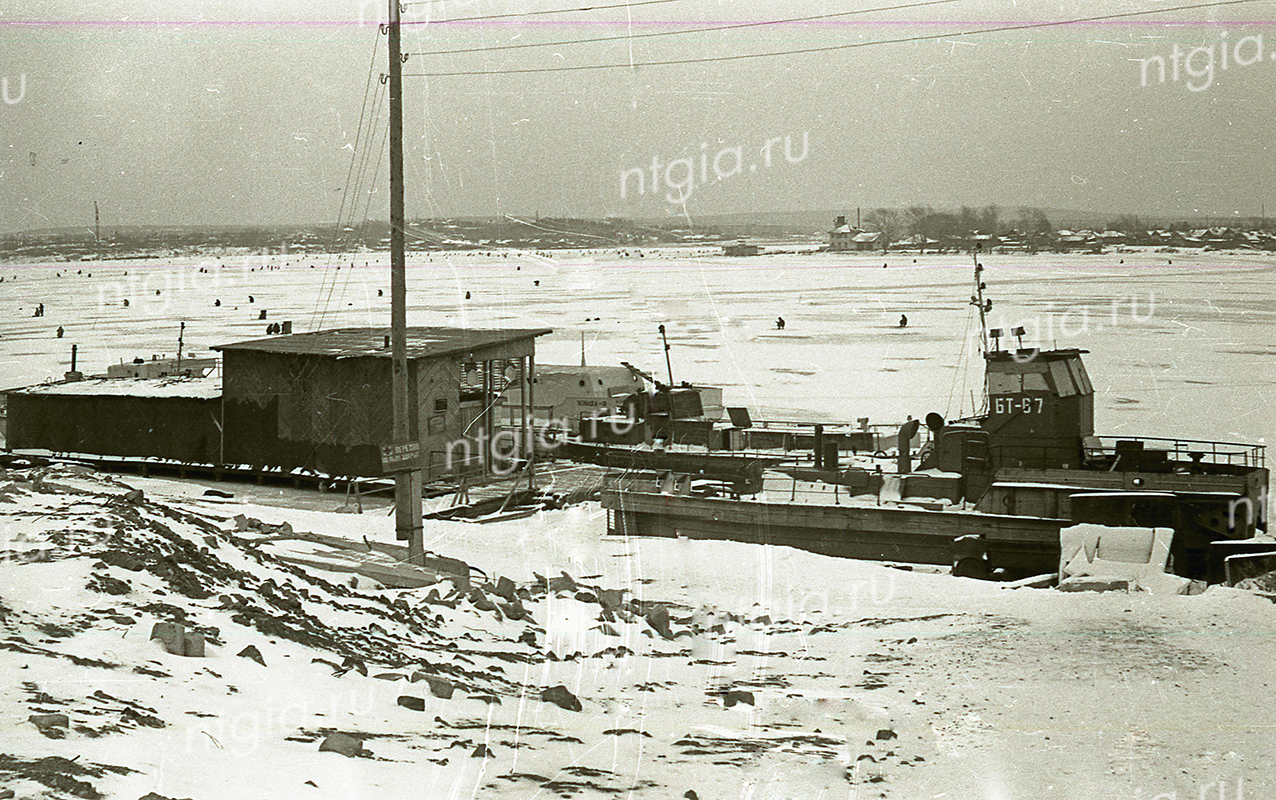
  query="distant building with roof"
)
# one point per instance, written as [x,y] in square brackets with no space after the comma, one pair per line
[741,249]
[847,238]
[175,419]
[1066,240]
[322,400]
[317,401]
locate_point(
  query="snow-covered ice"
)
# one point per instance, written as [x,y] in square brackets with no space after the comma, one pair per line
[1179,348]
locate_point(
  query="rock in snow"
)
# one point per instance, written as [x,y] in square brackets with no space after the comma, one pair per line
[47,721]
[440,687]
[412,703]
[561,697]
[346,745]
[252,652]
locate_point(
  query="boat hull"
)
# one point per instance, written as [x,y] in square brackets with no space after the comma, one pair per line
[1021,546]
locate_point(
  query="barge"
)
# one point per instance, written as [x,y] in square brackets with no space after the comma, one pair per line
[991,492]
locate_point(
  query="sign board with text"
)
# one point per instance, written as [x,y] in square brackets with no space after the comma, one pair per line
[401,457]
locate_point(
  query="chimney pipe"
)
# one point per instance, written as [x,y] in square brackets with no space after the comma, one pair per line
[73,374]
[907,431]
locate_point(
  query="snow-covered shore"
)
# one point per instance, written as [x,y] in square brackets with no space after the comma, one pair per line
[718,668]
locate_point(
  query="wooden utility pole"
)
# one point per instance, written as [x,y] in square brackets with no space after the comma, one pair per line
[407,484]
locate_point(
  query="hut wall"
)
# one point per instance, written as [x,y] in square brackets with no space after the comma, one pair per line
[333,414]
[178,428]
[438,410]
[290,411]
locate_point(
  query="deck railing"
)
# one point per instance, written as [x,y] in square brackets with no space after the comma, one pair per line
[1177,452]
[1239,454]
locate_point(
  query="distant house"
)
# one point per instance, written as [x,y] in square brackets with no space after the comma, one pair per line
[983,242]
[1224,239]
[847,238]
[1260,240]
[918,241]
[741,249]
[1014,241]
[1075,240]
[840,236]
[868,240]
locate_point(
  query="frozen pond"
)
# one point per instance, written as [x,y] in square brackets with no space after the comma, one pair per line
[1182,348]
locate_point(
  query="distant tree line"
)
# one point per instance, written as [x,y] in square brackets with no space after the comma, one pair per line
[925,221]
[922,220]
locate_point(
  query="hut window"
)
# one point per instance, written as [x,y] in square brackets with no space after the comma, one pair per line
[440,404]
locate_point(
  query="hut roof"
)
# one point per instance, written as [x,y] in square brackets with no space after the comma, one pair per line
[423,342]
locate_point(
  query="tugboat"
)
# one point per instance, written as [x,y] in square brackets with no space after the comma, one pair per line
[998,486]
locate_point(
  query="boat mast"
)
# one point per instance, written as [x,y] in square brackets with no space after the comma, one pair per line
[984,305]
[668,363]
[977,300]
[407,489]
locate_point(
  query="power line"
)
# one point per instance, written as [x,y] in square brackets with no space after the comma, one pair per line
[376,172]
[830,48]
[358,133]
[379,96]
[346,192]
[534,13]
[734,26]
[378,103]
[555,230]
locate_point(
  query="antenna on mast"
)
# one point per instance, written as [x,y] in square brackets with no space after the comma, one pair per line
[181,334]
[977,300]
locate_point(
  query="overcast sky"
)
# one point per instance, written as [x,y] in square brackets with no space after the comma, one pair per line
[175,112]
